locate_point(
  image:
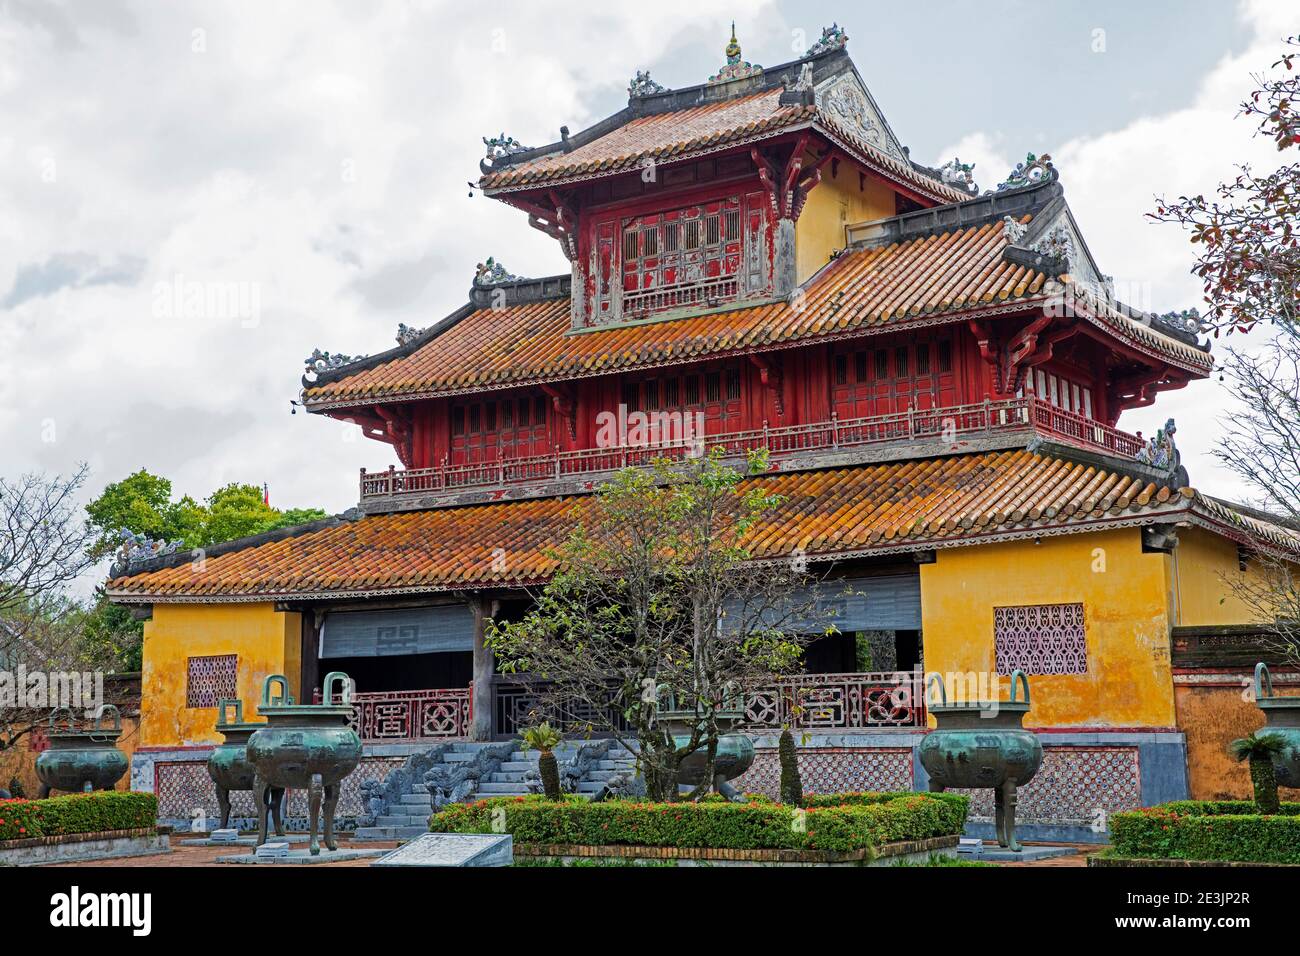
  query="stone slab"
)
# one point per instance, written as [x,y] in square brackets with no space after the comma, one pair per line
[238,841]
[302,856]
[997,854]
[453,849]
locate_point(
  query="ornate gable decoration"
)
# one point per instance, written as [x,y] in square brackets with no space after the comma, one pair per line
[844,101]
[736,68]
[406,334]
[833,38]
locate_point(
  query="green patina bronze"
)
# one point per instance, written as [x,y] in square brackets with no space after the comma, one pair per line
[311,746]
[81,757]
[229,767]
[981,745]
[1281,717]
[735,750]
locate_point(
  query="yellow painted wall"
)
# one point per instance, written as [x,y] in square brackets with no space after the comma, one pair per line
[1204,568]
[265,640]
[1125,599]
[831,205]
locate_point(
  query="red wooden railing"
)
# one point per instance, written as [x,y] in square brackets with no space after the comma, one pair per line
[942,424]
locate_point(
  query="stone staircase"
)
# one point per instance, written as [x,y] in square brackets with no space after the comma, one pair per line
[406,801]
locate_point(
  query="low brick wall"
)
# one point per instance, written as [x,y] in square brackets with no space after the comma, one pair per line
[711,856]
[38,851]
[1102,860]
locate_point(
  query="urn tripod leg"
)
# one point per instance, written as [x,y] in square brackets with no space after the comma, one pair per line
[1006,796]
[331,802]
[260,789]
[314,790]
[223,803]
[276,796]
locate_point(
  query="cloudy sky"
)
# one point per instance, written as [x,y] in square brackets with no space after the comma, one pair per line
[311,160]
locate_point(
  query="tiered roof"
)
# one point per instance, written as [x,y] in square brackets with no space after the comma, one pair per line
[832,514]
[931,266]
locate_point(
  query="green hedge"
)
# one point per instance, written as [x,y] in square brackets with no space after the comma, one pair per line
[1229,830]
[77,813]
[716,825]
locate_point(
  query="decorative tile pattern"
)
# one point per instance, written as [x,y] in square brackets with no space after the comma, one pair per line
[1071,787]
[183,787]
[210,679]
[832,770]
[1040,639]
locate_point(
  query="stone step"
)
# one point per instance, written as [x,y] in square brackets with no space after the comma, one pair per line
[615,764]
[403,820]
[363,834]
[600,775]
[420,788]
[506,778]
[416,800]
[458,756]
[501,788]
[518,766]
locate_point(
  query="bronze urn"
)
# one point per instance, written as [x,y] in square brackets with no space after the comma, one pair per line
[308,746]
[81,757]
[981,745]
[230,769]
[1281,717]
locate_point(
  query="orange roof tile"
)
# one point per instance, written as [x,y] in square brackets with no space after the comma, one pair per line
[661,136]
[940,502]
[905,281]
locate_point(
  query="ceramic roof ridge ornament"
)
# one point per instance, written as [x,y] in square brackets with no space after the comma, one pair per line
[319,361]
[833,38]
[959,174]
[492,272]
[736,67]
[642,85]
[1032,172]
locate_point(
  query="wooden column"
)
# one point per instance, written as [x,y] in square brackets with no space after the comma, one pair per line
[309,675]
[481,726]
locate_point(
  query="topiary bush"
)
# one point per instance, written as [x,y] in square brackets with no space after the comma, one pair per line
[721,825]
[791,784]
[1228,830]
[77,813]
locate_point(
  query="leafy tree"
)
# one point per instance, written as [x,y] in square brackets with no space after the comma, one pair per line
[142,503]
[44,548]
[1259,750]
[1249,264]
[656,599]
[1250,251]
[237,511]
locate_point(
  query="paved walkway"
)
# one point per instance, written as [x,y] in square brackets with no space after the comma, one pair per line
[1074,859]
[185,856]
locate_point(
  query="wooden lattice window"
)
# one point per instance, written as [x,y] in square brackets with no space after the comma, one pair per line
[1040,639]
[210,679]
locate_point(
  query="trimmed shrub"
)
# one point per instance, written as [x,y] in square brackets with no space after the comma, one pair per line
[791,783]
[77,813]
[1229,830]
[738,826]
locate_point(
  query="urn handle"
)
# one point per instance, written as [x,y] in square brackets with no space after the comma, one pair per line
[943,691]
[70,719]
[103,712]
[282,699]
[1263,680]
[225,706]
[343,681]
[1024,681]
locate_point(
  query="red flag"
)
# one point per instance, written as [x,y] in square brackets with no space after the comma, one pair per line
[266,494]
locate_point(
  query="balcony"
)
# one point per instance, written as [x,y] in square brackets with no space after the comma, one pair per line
[809,702]
[512,477]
